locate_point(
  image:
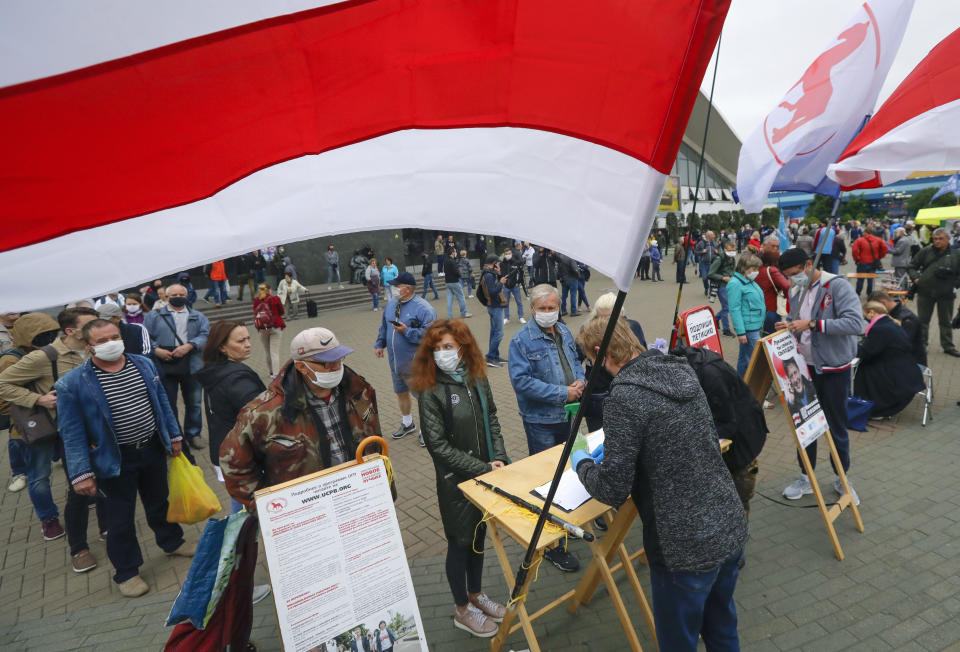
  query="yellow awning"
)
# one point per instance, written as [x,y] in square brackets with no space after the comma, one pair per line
[937,215]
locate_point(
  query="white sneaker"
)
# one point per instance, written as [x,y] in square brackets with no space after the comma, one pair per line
[17,483]
[767,405]
[523,321]
[800,488]
[506,321]
[341,286]
[260,591]
[329,287]
[838,487]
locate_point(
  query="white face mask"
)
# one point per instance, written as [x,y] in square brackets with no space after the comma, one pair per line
[133,309]
[109,351]
[546,319]
[730,253]
[507,256]
[327,379]
[447,360]
[800,280]
[752,275]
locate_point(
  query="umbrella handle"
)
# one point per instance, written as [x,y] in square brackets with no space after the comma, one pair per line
[380,441]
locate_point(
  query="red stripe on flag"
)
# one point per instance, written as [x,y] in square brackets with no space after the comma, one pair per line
[176,124]
[934,82]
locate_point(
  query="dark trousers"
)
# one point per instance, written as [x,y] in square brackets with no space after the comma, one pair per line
[143,471]
[76,514]
[465,568]
[569,288]
[832,391]
[644,268]
[925,306]
[192,392]
[865,268]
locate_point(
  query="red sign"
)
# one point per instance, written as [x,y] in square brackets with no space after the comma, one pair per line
[698,327]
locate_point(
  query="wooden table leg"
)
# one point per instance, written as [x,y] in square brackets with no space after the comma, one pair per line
[518,609]
[604,572]
[827,520]
[835,456]
[616,533]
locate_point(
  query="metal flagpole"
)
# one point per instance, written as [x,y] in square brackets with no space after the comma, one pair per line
[833,224]
[696,192]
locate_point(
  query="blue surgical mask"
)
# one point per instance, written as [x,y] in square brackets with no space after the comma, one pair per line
[800,280]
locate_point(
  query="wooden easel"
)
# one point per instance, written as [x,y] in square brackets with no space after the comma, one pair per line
[518,478]
[759,377]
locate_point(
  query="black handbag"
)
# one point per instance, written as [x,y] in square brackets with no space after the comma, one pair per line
[35,424]
[175,366]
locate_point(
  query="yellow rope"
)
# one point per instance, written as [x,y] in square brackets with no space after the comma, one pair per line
[473,544]
[386,464]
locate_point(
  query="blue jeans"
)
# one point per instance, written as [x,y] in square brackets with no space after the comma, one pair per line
[333,270]
[513,293]
[456,290]
[746,350]
[496,332]
[541,436]
[688,605]
[530,275]
[569,287]
[468,284]
[428,283]
[376,299]
[582,294]
[722,316]
[192,392]
[19,454]
[831,264]
[259,276]
[865,268]
[38,480]
[770,322]
[217,290]
[704,270]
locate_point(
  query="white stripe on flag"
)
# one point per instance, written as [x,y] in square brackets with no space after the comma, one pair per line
[582,199]
[72,34]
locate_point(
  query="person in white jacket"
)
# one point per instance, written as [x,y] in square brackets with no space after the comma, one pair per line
[289,292]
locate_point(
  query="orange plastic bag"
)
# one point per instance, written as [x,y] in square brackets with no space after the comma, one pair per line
[191,500]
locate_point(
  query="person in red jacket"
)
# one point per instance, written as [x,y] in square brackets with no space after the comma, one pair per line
[775,286]
[868,250]
[268,320]
[218,283]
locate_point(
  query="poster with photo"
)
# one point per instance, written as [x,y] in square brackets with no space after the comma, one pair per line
[793,379]
[337,563]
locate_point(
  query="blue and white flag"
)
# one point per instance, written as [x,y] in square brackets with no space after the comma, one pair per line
[783,234]
[824,110]
[952,185]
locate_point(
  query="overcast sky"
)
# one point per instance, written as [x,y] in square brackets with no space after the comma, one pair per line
[768,44]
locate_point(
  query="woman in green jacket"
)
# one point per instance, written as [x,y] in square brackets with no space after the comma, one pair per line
[721,271]
[747,308]
[460,428]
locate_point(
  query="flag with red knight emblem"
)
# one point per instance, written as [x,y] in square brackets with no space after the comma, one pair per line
[141,138]
[824,110]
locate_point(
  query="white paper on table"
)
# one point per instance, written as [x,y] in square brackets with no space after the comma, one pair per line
[594,439]
[570,494]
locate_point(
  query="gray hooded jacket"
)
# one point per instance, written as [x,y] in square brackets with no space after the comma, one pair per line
[661,447]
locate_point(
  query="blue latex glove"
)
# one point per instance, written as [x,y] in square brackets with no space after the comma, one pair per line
[577,457]
[597,454]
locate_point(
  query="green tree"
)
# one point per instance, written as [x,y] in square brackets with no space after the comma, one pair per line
[922,200]
[397,623]
[770,216]
[693,222]
[820,208]
[855,208]
[711,221]
[673,226]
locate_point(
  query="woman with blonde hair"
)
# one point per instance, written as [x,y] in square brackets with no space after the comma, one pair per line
[268,320]
[887,374]
[459,422]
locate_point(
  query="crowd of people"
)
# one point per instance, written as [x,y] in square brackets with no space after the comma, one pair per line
[108,377]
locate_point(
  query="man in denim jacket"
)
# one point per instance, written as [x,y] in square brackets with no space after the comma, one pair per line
[546,375]
[117,426]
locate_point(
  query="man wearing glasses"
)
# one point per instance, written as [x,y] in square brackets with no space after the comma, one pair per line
[312,416]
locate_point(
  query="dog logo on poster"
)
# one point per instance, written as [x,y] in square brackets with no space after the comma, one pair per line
[276,505]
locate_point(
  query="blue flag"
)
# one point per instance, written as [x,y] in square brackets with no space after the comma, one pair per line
[952,185]
[783,234]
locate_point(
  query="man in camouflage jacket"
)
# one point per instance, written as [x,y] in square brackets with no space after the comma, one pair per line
[311,417]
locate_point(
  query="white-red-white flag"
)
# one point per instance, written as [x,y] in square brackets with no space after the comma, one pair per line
[152,137]
[821,113]
[915,129]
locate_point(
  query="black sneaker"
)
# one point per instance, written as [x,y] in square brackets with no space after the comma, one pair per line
[562,559]
[600,524]
[403,430]
[493,363]
[729,333]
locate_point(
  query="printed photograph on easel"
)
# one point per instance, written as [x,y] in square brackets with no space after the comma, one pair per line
[793,380]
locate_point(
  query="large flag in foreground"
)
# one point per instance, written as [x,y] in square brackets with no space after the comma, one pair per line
[822,112]
[554,121]
[915,129]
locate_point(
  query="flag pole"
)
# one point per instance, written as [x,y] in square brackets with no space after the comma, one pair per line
[833,224]
[525,565]
[696,192]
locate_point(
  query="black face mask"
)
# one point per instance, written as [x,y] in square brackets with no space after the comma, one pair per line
[177,302]
[44,338]
[184,280]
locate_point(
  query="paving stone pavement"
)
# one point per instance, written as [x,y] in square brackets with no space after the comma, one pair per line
[898,589]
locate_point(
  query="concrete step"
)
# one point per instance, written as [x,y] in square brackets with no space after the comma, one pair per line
[351,296]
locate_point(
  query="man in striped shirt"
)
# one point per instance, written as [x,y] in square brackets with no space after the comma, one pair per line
[116,424]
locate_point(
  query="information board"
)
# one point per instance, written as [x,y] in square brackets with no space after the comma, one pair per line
[793,379]
[336,560]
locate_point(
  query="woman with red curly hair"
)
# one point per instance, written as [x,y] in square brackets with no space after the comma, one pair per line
[460,428]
